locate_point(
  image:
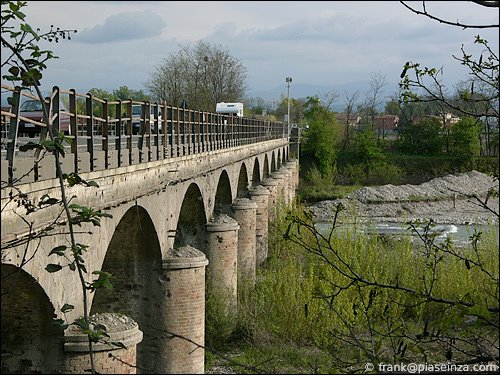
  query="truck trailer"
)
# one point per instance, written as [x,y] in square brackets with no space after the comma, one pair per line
[230,108]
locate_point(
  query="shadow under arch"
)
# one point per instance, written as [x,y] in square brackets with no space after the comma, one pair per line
[223,196]
[256,173]
[273,163]
[278,159]
[243,181]
[134,259]
[31,341]
[265,171]
[191,226]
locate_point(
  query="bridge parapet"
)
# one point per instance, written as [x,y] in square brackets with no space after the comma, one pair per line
[102,133]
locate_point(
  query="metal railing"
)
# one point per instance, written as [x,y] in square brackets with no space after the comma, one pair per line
[98,126]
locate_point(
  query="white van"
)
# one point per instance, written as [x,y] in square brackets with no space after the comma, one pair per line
[230,108]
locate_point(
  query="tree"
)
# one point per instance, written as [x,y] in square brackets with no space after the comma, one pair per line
[296,109]
[476,96]
[422,138]
[373,97]
[124,93]
[465,138]
[26,61]
[202,75]
[351,102]
[322,134]
[366,149]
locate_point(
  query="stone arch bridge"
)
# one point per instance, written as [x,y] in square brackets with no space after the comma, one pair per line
[189,206]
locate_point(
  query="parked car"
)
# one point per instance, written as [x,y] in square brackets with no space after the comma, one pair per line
[32,109]
[136,119]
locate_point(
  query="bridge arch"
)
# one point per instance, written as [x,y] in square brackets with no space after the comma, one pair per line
[256,173]
[242,190]
[191,225]
[31,342]
[134,259]
[265,170]
[223,195]
[273,162]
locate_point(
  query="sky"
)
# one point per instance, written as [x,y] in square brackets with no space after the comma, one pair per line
[318,43]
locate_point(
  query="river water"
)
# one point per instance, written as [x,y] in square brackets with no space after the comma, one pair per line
[459,233]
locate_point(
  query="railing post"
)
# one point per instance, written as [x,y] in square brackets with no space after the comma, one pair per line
[178,130]
[118,131]
[147,127]
[156,128]
[202,132]
[196,130]
[128,131]
[181,131]
[210,131]
[218,131]
[13,132]
[231,131]
[90,128]
[73,127]
[171,127]
[140,140]
[105,133]
[56,109]
[164,129]
[189,132]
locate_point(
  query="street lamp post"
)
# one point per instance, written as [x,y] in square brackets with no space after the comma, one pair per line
[288,81]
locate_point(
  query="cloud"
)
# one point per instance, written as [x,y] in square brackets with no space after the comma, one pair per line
[123,27]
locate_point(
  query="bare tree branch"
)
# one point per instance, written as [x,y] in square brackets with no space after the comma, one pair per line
[493,4]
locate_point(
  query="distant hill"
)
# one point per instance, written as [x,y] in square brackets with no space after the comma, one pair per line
[299,90]
[303,90]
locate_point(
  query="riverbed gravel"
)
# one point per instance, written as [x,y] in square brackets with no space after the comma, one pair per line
[451,199]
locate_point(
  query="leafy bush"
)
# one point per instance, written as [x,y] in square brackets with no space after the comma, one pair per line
[308,296]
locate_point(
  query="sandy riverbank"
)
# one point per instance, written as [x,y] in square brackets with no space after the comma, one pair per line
[446,200]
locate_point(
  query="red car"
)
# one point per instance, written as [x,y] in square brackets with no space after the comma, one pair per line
[32,109]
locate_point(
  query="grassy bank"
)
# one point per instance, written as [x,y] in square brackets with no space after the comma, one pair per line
[307,315]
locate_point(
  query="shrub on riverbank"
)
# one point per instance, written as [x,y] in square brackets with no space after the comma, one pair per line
[428,303]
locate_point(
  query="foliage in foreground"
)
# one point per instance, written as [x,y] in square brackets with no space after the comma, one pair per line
[341,299]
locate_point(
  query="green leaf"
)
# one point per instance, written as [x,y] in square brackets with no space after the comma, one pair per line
[59,250]
[53,268]
[31,62]
[14,7]
[30,146]
[27,28]
[11,101]
[61,323]
[67,308]
[102,281]
[46,199]
[14,70]
[20,15]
